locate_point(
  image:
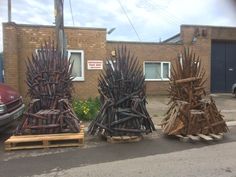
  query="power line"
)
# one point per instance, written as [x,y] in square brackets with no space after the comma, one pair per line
[71,12]
[167,46]
[123,9]
[165,14]
[170,18]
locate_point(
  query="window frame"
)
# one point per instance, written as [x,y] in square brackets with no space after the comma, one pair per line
[82,78]
[161,62]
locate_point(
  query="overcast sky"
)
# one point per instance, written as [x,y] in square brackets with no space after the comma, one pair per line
[152,20]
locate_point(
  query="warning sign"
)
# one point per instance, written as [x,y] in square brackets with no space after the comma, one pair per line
[95,64]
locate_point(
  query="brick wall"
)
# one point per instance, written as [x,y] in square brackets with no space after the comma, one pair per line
[21,40]
[204,35]
[150,52]
[10,55]
[201,45]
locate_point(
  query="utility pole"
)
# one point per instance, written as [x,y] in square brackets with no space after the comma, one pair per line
[59,21]
[9,11]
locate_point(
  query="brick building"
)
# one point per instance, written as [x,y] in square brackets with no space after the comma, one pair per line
[89,49]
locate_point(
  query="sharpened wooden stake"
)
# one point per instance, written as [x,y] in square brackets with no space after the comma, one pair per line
[217,137]
[205,137]
[189,113]
[123,98]
[194,138]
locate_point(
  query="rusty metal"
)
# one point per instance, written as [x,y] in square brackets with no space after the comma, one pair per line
[122,93]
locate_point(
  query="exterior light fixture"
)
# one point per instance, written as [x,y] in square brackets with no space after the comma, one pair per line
[111,30]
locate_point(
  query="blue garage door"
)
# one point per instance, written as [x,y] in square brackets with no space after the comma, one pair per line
[223,66]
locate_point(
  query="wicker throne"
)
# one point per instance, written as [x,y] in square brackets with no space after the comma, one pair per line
[49,80]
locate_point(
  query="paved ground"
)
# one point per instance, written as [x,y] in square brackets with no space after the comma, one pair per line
[58,161]
[209,161]
[155,155]
[157,106]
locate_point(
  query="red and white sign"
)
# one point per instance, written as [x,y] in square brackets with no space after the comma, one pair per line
[95,64]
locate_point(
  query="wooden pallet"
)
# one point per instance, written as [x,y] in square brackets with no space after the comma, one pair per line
[200,137]
[123,139]
[45,141]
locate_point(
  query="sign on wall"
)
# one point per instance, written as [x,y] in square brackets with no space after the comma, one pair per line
[95,64]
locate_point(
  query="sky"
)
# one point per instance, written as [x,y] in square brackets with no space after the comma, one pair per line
[133,20]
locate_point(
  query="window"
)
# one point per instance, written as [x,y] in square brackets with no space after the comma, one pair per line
[77,56]
[156,71]
[78,67]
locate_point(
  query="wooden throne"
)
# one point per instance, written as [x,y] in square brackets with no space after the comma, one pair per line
[49,80]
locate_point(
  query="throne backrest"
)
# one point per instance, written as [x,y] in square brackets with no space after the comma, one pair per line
[48,76]
[122,78]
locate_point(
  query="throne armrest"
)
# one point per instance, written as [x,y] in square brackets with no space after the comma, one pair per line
[63,100]
[64,104]
[34,106]
[34,101]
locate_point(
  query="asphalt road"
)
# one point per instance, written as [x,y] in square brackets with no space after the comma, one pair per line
[209,161]
[36,162]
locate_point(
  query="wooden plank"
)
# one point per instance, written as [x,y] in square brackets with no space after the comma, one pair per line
[217,137]
[186,80]
[194,111]
[182,138]
[198,88]
[42,146]
[45,144]
[205,137]
[48,135]
[116,137]
[124,139]
[44,141]
[194,138]
[44,135]
[37,139]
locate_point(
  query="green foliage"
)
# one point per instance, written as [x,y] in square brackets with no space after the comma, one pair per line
[86,110]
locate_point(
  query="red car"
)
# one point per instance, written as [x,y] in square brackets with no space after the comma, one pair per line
[11,105]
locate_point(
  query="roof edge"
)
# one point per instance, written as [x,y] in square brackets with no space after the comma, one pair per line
[170,38]
[52,26]
[207,26]
[138,42]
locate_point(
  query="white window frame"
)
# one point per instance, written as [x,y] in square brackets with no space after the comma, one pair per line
[161,62]
[82,63]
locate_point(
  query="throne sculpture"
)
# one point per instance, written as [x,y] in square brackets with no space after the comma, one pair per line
[49,80]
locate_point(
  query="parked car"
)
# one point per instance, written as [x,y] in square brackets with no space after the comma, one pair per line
[234,89]
[11,105]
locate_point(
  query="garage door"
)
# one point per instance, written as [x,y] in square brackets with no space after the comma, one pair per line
[223,66]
